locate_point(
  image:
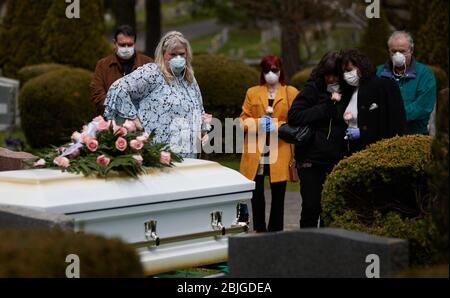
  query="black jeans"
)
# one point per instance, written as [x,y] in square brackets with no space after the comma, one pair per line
[312,179]
[276,218]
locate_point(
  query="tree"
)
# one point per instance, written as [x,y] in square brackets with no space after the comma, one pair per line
[77,42]
[153,25]
[291,15]
[432,37]
[374,39]
[124,12]
[20,35]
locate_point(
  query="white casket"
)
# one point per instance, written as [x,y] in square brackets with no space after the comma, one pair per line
[175,217]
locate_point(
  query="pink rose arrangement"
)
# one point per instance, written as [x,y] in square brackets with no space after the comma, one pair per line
[104,146]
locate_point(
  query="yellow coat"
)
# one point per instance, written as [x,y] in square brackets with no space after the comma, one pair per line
[254,107]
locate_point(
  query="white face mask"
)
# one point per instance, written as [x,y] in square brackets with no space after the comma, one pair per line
[177,64]
[332,88]
[398,59]
[125,52]
[272,78]
[352,78]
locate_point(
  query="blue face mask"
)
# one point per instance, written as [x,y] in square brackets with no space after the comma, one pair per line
[177,64]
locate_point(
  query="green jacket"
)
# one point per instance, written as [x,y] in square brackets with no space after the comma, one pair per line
[418,89]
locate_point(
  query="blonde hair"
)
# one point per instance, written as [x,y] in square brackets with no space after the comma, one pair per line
[168,42]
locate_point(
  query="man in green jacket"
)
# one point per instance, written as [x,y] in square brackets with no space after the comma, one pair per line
[416,81]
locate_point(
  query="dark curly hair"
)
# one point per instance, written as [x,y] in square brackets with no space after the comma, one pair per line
[360,60]
[330,64]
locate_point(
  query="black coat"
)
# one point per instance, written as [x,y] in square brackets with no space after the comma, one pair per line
[381,113]
[313,107]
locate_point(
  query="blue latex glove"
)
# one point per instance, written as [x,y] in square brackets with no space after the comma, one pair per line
[268,123]
[352,134]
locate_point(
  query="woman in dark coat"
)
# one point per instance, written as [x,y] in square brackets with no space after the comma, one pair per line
[320,107]
[375,110]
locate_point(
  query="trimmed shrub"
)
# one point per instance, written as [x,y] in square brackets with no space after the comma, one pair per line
[299,79]
[54,105]
[42,253]
[438,176]
[223,83]
[28,72]
[383,190]
[77,42]
[19,32]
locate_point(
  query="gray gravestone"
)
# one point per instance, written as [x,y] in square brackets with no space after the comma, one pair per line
[9,107]
[316,253]
[12,160]
[25,218]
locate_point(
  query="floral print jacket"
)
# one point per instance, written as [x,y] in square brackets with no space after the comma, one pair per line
[172,109]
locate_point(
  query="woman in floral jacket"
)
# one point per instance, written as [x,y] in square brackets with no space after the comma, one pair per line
[163,96]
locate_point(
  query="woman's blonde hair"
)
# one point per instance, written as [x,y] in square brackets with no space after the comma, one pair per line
[168,42]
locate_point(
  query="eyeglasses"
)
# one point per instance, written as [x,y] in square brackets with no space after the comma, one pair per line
[274,70]
[124,44]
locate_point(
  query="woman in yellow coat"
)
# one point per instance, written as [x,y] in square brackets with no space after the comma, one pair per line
[265,108]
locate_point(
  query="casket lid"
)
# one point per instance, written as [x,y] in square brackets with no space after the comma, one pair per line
[54,191]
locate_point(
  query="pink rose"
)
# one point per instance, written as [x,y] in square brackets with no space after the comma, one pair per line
[143,138]
[336,97]
[130,125]
[98,119]
[121,144]
[85,138]
[39,163]
[136,145]
[103,125]
[103,160]
[164,158]
[75,153]
[120,131]
[139,160]
[348,116]
[92,145]
[76,136]
[269,110]
[62,162]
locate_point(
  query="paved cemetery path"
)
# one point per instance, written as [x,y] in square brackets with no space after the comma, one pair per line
[292,204]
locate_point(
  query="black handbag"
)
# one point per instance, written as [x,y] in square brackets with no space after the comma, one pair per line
[298,135]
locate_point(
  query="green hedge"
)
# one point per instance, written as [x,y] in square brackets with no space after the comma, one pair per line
[223,83]
[28,72]
[54,105]
[383,190]
[42,253]
[299,79]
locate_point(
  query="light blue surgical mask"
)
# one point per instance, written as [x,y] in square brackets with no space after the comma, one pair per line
[177,64]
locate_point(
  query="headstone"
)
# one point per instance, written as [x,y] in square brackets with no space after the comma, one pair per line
[11,160]
[316,253]
[9,107]
[25,218]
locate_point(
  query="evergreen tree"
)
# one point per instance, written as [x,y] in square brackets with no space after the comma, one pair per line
[432,37]
[78,41]
[21,44]
[374,39]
